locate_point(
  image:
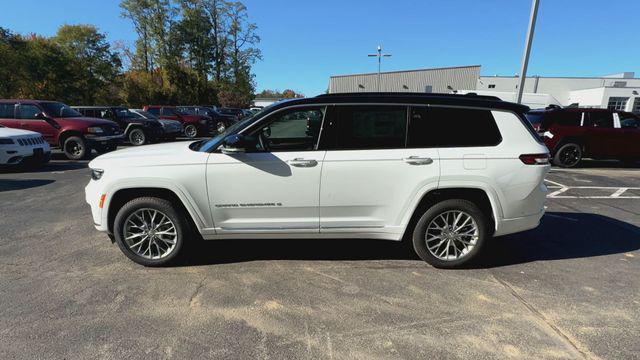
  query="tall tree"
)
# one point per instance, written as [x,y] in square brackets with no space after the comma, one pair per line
[97,65]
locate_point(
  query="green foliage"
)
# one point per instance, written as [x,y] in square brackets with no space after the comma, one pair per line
[187,52]
[275,94]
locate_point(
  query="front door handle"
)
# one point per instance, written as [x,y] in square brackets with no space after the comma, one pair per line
[417,160]
[299,162]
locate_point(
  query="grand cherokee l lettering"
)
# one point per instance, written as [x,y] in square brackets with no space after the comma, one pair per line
[446,172]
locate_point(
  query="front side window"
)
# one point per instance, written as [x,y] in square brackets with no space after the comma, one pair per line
[452,127]
[629,121]
[154,111]
[293,130]
[364,127]
[26,111]
[59,110]
[169,112]
[7,111]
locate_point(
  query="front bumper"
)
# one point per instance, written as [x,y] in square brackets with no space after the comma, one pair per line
[92,194]
[104,140]
[15,154]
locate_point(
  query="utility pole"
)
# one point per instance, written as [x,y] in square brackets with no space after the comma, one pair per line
[379,55]
[527,48]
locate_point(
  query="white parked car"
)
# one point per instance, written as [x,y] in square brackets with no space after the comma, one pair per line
[446,172]
[22,146]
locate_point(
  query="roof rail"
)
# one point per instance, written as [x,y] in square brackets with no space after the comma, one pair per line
[415,94]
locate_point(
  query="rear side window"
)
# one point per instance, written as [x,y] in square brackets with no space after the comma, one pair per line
[600,119]
[452,127]
[154,111]
[7,111]
[371,127]
[566,118]
[534,118]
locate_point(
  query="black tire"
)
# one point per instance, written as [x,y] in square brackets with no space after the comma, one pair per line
[190,131]
[568,155]
[443,207]
[137,137]
[163,206]
[76,148]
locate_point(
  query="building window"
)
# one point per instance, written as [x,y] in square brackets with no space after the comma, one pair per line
[617,103]
[636,105]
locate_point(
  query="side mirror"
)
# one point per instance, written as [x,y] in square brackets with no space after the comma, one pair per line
[238,144]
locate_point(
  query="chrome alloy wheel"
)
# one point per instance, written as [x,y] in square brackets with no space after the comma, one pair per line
[220,127]
[190,131]
[150,234]
[451,235]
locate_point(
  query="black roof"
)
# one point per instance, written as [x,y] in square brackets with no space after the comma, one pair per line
[469,100]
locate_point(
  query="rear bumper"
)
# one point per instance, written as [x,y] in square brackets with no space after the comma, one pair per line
[515,225]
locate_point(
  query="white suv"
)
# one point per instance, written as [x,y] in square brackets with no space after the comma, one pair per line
[445,171]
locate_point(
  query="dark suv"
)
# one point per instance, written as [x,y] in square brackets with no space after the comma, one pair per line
[137,130]
[572,134]
[61,126]
[221,121]
[193,125]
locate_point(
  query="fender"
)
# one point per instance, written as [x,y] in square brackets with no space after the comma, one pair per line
[152,182]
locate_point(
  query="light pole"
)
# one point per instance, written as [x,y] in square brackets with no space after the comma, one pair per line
[379,55]
[527,48]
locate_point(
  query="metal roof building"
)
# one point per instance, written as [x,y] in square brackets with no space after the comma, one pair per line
[437,80]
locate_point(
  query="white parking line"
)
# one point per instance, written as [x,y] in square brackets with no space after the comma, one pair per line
[616,191]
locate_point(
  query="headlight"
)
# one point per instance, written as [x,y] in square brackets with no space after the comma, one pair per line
[96,174]
[95,130]
[6,141]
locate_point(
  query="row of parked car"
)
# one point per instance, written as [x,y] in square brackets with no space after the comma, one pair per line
[31,127]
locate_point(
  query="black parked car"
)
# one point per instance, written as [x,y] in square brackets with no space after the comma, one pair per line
[171,128]
[222,121]
[137,129]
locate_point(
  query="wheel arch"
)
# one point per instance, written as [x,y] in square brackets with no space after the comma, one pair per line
[124,195]
[485,200]
[66,134]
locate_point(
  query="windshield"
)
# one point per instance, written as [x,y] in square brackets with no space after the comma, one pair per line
[534,118]
[146,114]
[126,114]
[214,143]
[59,110]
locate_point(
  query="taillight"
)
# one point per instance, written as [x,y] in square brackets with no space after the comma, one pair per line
[535,159]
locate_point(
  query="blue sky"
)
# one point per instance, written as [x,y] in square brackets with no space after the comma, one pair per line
[304,42]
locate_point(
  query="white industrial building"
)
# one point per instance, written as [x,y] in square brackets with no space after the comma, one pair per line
[618,91]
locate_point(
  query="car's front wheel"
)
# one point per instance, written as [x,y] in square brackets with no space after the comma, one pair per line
[450,234]
[76,148]
[137,137]
[190,131]
[150,231]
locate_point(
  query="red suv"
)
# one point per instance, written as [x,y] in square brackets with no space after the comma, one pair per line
[61,126]
[572,134]
[193,125]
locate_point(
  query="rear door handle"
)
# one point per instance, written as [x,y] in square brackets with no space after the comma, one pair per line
[299,162]
[417,160]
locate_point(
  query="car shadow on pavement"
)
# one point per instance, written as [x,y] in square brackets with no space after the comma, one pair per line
[559,236]
[563,236]
[607,164]
[49,167]
[11,184]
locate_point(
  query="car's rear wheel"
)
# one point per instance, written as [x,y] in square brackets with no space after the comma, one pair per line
[137,137]
[190,131]
[568,155]
[150,231]
[450,234]
[75,148]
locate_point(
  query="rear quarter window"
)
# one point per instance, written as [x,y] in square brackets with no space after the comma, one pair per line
[452,127]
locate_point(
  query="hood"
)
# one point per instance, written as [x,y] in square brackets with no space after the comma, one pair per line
[85,120]
[8,132]
[176,153]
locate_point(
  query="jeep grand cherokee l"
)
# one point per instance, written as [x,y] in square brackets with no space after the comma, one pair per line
[61,126]
[572,134]
[446,171]
[137,130]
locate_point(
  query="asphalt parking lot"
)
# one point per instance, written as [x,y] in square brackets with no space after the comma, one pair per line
[567,290]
